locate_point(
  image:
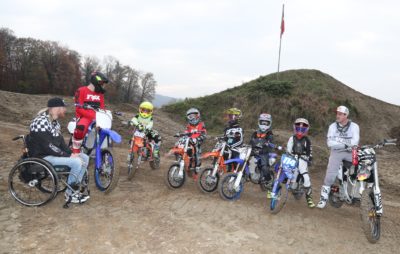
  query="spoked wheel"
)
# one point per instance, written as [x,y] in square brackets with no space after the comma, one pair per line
[173,179]
[334,197]
[371,222]
[106,177]
[267,186]
[33,182]
[298,191]
[206,182]
[278,200]
[227,190]
[155,163]
[132,165]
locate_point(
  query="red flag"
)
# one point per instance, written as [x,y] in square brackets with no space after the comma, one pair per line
[283,20]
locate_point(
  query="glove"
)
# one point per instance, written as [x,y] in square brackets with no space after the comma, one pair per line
[305,157]
[140,127]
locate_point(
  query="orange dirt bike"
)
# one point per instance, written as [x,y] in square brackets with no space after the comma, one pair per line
[185,164]
[143,149]
[209,177]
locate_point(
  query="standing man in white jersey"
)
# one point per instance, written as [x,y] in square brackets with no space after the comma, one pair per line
[341,134]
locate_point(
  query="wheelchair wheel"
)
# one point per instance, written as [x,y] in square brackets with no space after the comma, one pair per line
[33,182]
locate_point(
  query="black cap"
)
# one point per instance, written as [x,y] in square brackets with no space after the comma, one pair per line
[56,102]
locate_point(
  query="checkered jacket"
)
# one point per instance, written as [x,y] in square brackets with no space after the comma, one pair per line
[45,138]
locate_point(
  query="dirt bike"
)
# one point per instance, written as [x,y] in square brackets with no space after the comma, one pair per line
[231,185]
[184,152]
[209,177]
[140,146]
[286,170]
[256,168]
[360,178]
[97,144]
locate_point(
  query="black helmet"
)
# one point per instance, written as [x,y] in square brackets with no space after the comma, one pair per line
[98,79]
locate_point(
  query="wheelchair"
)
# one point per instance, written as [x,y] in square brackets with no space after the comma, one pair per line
[35,182]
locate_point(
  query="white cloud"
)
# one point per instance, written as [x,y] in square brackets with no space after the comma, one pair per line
[199,47]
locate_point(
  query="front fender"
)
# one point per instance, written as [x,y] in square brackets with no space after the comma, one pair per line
[113,134]
[210,154]
[237,160]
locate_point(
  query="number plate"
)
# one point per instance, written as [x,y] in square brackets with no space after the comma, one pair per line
[139,134]
[288,162]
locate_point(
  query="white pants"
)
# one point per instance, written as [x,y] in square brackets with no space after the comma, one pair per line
[303,170]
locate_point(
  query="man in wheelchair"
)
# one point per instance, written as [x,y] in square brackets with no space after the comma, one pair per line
[46,141]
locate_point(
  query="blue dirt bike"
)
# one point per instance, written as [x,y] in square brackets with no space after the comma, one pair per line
[255,168]
[285,172]
[231,185]
[97,145]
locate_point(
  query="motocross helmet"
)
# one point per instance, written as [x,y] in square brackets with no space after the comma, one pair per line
[98,79]
[301,127]
[264,122]
[193,116]
[146,109]
[233,115]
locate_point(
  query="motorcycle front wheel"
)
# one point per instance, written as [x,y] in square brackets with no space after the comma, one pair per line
[370,221]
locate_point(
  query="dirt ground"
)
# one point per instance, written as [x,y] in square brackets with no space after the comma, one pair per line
[144,216]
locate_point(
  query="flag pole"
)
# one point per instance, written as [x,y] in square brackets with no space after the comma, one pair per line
[280,40]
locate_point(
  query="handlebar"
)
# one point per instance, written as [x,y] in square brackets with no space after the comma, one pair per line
[178,135]
[86,106]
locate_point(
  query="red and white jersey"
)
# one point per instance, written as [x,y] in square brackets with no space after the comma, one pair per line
[85,96]
[197,131]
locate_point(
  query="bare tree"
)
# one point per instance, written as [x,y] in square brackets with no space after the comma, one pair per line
[131,85]
[89,65]
[147,87]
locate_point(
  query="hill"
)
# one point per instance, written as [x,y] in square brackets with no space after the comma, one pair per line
[298,93]
[161,100]
[159,219]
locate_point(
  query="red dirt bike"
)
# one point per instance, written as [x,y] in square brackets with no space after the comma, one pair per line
[144,151]
[184,151]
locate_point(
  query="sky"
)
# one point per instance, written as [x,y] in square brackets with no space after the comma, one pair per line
[196,48]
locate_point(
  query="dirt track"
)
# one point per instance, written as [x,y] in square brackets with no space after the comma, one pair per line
[144,216]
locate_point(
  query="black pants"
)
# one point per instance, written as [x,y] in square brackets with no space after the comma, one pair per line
[264,166]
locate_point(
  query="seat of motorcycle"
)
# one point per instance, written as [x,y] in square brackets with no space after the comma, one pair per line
[347,164]
[62,168]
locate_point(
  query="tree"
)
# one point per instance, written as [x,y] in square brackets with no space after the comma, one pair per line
[89,65]
[147,87]
[34,66]
[131,85]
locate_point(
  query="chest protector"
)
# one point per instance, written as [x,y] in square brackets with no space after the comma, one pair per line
[299,146]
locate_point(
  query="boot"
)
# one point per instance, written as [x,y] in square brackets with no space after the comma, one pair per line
[324,196]
[309,198]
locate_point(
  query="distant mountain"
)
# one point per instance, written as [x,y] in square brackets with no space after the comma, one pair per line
[161,100]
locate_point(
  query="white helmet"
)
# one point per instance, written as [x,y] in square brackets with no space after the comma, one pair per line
[264,122]
[193,116]
[343,109]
